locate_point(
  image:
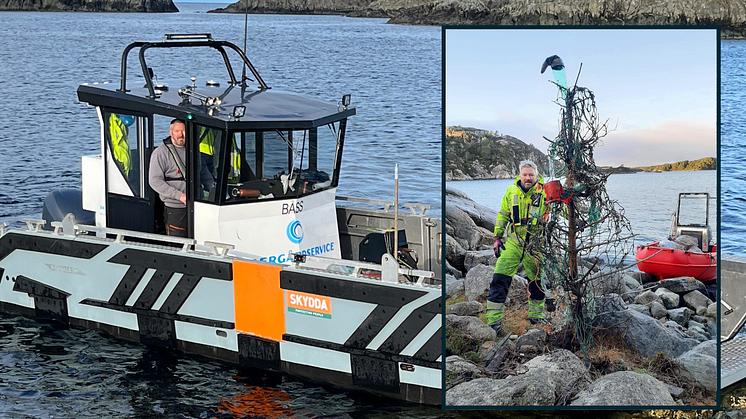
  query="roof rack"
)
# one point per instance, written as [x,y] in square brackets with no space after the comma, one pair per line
[186,40]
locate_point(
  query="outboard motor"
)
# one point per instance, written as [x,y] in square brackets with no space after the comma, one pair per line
[62,202]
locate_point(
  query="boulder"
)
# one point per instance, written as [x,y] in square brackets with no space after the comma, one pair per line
[547,378]
[471,326]
[534,338]
[563,368]
[632,287]
[482,216]
[517,290]
[625,388]
[479,257]
[455,253]
[459,366]
[450,270]
[676,392]
[704,321]
[608,284]
[681,285]
[472,393]
[647,297]
[641,277]
[680,315]
[477,282]
[467,308]
[701,365]
[455,289]
[639,308]
[712,311]
[670,299]
[465,231]
[697,301]
[657,310]
[645,334]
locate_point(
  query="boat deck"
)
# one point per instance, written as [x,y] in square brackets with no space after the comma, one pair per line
[733,315]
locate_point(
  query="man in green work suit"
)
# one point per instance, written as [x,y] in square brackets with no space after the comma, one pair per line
[521,214]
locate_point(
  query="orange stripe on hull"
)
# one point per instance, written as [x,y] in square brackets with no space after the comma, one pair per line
[258,300]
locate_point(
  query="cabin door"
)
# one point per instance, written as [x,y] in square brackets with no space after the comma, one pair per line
[128,145]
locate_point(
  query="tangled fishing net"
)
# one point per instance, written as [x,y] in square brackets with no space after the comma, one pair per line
[584,228]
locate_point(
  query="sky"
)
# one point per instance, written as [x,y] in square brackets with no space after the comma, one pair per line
[656,87]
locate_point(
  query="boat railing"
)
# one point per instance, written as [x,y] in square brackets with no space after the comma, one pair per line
[389,269]
[415,209]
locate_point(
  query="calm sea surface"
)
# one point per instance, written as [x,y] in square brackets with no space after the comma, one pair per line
[732,142]
[648,199]
[393,74]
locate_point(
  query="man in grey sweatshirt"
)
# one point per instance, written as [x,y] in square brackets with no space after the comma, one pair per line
[170,183]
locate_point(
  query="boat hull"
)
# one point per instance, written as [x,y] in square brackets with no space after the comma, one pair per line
[354,333]
[670,263]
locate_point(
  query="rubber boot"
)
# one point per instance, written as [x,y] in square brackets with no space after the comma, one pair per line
[494,315]
[536,311]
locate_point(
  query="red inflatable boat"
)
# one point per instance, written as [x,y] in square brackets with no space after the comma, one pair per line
[670,263]
[665,262]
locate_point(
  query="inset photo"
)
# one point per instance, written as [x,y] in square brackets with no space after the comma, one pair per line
[581,217]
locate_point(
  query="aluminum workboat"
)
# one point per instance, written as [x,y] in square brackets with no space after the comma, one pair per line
[276,273]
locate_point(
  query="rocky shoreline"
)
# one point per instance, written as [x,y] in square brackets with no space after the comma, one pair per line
[667,330]
[138,6]
[731,15]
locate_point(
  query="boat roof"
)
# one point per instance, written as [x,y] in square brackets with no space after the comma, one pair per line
[265,108]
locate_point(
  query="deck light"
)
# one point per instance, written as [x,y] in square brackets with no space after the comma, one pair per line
[346,101]
[238,112]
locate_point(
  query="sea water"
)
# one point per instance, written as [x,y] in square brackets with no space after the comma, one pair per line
[393,73]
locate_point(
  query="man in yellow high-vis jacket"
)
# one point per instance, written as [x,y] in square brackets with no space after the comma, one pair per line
[521,214]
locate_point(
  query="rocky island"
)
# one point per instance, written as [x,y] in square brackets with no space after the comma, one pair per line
[140,6]
[731,15]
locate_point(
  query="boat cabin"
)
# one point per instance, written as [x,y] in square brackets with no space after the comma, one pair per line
[273,157]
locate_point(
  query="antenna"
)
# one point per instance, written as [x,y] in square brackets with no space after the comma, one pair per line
[245,35]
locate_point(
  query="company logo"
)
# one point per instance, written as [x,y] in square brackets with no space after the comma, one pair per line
[309,304]
[295,232]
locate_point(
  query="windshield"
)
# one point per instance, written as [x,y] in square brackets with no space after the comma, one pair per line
[278,164]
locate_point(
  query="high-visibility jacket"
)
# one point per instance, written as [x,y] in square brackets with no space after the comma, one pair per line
[521,212]
[207,146]
[120,143]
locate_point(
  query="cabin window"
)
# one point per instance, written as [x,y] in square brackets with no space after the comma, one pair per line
[281,164]
[211,142]
[126,135]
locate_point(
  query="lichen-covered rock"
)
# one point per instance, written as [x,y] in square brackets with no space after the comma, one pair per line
[702,364]
[625,388]
[547,378]
[459,366]
[471,326]
[477,282]
[468,308]
[643,333]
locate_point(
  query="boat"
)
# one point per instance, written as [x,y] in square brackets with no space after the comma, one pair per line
[664,261]
[276,272]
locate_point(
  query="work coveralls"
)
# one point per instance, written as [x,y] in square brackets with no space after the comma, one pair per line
[521,213]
